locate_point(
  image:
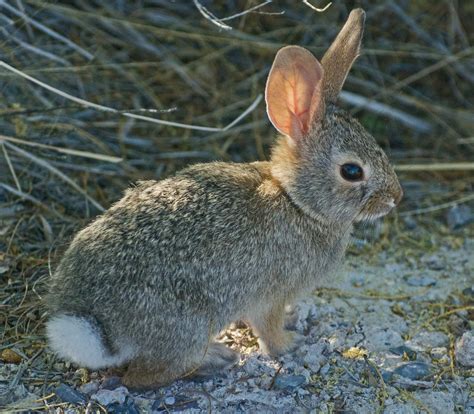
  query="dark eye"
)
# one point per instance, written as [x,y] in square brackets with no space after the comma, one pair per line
[352,172]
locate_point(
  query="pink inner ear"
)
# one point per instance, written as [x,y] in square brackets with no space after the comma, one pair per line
[293,91]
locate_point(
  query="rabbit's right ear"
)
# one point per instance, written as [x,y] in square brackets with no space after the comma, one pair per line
[294,92]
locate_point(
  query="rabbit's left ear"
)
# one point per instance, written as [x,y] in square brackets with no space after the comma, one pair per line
[339,58]
[294,92]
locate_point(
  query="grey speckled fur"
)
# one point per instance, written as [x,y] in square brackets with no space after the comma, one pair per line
[174,262]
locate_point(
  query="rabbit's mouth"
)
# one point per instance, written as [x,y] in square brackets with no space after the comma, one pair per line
[374,212]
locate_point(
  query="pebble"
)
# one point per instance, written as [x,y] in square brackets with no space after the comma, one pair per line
[143,404]
[289,382]
[392,391]
[380,338]
[438,353]
[464,350]
[89,387]
[128,407]
[357,280]
[10,356]
[110,383]
[421,281]
[469,291]
[457,325]
[170,400]
[107,397]
[435,262]
[404,350]
[9,395]
[400,408]
[325,369]
[413,370]
[410,223]
[69,394]
[386,375]
[314,358]
[437,402]
[427,340]
[459,216]
[157,405]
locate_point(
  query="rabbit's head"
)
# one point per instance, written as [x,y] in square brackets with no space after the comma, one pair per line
[329,165]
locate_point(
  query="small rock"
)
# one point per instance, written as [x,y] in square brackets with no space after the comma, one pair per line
[107,397]
[438,353]
[170,400]
[413,370]
[10,356]
[314,358]
[410,223]
[9,395]
[427,340]
[386,375]
[457,325]
[110,383]
[89,387]
[464,350]
[420,281]
[379,338]
[392,391]
[70,395]
[435,262]
[357,280]
[143,404]
[459,216]
[289,382]
[403,350]
[299,317]
[437,402]
[324,369]
[400,408]
[469,291]
[127,408]
[157,405]
[411,385]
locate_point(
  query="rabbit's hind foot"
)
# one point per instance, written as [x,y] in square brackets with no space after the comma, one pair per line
[218,357]
[145,373]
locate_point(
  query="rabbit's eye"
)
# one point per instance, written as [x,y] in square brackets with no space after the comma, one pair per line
[352,172]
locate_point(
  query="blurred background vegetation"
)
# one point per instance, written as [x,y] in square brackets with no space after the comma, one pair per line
[204,64]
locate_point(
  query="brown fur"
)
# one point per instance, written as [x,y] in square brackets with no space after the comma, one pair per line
[176,261]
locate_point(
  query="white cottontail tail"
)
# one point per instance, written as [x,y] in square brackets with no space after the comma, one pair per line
[151,282]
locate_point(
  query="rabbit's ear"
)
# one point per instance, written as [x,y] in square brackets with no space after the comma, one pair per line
[341,55]
[294,92]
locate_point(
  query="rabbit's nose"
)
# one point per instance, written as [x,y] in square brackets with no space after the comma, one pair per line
[398,196]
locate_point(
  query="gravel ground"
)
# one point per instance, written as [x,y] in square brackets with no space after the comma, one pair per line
[394,334]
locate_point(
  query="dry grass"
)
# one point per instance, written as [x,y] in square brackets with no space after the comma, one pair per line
[98,94]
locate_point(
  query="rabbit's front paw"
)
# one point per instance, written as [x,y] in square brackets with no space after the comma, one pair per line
[283,343]
[218,357]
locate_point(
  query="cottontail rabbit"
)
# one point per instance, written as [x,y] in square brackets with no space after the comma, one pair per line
[153,280]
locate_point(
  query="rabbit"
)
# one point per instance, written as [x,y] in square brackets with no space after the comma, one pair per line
[149,284]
